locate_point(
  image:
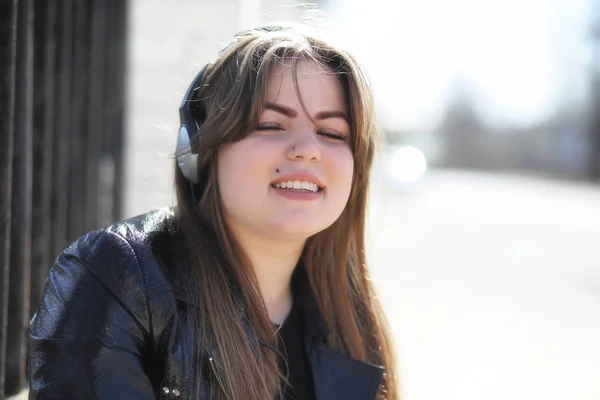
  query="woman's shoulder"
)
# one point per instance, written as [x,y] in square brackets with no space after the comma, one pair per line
[129,255]
[96,312]
[130,237]
[143,230]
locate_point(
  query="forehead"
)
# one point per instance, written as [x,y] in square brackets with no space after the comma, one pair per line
[318,87]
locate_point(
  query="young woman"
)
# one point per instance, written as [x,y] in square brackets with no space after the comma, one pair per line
[255,285]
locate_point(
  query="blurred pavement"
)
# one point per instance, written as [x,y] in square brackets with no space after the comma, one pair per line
[492,285]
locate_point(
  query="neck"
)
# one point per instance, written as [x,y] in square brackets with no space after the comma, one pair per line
[273,263]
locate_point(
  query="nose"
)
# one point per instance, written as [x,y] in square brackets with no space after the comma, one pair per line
[305,146]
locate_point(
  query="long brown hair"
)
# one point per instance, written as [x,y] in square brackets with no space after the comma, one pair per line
[229,101]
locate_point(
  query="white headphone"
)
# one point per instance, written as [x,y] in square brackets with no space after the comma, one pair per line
[186,159]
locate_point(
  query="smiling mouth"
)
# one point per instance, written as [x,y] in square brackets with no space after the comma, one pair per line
[299,186]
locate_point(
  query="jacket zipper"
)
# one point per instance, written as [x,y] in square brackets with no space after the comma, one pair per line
[214,370]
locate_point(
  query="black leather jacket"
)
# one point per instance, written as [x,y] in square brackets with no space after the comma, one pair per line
[111,325]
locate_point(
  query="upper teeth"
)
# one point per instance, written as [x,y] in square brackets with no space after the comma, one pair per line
[306,185]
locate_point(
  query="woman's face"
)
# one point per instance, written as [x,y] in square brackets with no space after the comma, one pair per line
[289,179]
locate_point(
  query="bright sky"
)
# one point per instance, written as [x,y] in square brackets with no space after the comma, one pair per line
[522,58]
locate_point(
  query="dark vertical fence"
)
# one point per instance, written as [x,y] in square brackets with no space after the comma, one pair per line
[20,235]
[43,120]
[8,54]
[62,93]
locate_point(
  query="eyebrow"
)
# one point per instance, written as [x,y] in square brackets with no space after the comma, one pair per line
[288,112]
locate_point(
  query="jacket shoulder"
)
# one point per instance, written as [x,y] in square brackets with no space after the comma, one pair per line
[125,256]
[94,315]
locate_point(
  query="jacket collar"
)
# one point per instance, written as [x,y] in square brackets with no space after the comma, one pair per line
[335,375]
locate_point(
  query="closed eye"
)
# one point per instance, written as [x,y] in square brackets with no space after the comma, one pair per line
[269,127]
[334,136]
[276,127]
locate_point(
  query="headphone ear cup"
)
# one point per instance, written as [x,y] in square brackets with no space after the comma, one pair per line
[186,159]
[189,108]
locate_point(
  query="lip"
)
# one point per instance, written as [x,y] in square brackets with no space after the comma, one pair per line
[299,195]
[300,176]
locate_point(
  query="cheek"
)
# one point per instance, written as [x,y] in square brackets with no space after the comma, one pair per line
[228,171]
[340,167]
[343,168]
[241,174]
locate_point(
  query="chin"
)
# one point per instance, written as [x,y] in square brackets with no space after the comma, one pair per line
[298,231]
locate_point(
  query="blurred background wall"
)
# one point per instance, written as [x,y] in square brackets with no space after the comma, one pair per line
[496,85]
